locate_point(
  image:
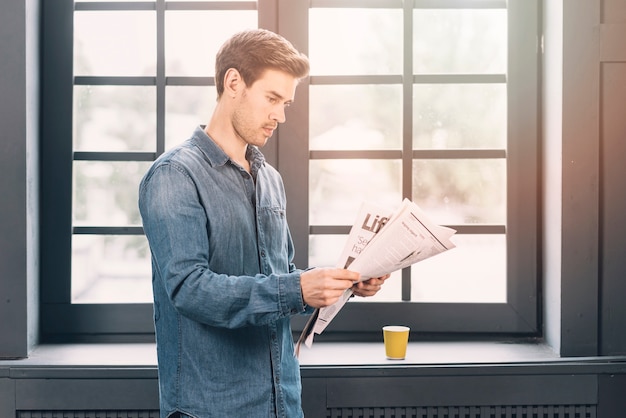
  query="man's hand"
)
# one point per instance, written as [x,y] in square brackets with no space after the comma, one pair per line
[369,287]
[324,286]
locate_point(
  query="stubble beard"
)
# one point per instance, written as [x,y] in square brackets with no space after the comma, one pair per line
[243,130]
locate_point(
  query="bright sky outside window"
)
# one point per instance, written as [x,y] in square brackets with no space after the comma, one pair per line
[123,103]
[458,104]
[118,115]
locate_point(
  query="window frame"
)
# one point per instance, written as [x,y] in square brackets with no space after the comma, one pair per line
[520,316]
[62,320]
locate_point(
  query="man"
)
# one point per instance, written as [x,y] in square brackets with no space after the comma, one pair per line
[224,283]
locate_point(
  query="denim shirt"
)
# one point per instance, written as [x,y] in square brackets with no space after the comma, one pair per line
[224,284]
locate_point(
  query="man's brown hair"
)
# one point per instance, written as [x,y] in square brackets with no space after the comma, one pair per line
[253,51]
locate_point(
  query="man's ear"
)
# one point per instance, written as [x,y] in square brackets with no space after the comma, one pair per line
[233,82]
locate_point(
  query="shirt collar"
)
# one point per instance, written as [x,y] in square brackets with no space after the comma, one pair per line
[218,157]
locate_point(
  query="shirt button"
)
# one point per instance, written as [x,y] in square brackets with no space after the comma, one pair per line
[262,253]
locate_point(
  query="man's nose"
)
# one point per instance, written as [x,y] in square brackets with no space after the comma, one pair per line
[278,115]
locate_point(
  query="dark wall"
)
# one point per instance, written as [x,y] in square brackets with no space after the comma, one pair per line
[18,176]
[566,389]
[612,155]
[593,196]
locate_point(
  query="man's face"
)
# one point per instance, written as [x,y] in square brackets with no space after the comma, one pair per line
[261,106]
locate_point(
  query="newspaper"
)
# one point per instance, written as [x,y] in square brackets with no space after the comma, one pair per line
[382,242]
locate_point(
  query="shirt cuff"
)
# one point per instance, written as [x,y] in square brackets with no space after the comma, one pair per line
[290,294]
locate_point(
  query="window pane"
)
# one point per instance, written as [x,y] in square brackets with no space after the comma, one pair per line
[474,271]
[115,43]
[459,41]
[192,38]
[114,118]
[337,188]
[106,192]
[355,41]
[459,116]
[185,108]
[111,269]
[324,250]
[351,117]
[461,191]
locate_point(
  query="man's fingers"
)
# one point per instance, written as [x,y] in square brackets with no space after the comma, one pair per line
[369,287]
[324,286]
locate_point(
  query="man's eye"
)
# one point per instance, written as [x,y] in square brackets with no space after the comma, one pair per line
[272,100]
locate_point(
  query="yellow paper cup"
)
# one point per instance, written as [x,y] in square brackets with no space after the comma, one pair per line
[396,338]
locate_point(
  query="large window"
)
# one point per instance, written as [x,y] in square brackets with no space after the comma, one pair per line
[435,101]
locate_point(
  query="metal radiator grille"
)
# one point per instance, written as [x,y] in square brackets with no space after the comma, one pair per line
[88,414]
[537,411]
[541,411]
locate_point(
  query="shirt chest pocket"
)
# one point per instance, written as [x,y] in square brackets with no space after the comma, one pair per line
[274,237]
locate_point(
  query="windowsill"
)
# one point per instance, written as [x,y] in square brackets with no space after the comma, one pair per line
[425,353]
[140,360]
[320,354]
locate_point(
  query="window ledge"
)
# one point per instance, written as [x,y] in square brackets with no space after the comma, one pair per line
[425,353]
[140,360]
[320,354]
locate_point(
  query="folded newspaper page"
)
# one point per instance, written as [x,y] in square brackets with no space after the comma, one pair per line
[382,242]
